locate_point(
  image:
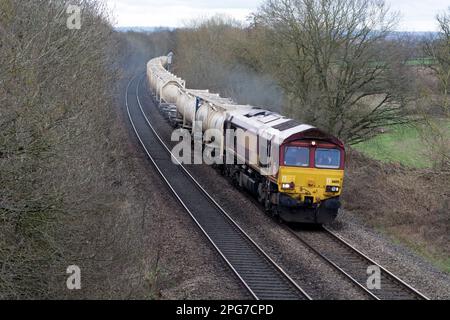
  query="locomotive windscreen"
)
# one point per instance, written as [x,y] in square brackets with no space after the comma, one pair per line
[296,157]
[328,158]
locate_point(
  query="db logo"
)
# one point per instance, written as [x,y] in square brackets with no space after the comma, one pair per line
[74,280]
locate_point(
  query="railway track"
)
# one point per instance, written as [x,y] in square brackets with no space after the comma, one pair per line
[349,261]
[354,265]
[260,275]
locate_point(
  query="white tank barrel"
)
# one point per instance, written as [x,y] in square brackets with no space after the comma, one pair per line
[171,89]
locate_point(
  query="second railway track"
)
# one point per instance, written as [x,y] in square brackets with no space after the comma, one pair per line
[261,276]
[354,265]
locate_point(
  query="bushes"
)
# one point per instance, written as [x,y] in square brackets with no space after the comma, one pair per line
[69,191]
[56,147]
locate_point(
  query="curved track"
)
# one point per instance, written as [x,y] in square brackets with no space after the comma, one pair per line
[347,260]
[355,265]
[262,277]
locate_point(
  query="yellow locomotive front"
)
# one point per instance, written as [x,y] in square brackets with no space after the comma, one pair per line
[305,180]
[310,180]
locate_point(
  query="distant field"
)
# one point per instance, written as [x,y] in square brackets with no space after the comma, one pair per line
[401,144]
[421,62]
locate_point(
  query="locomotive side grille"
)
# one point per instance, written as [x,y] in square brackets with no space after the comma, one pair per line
[287,125]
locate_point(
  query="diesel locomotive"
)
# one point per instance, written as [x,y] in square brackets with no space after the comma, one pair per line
[301,176]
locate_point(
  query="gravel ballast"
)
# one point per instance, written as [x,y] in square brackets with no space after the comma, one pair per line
[395,257]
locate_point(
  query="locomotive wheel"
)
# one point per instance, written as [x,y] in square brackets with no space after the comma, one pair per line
[235,179]
[223,170]
[261,194]
[267,205]
[275,214]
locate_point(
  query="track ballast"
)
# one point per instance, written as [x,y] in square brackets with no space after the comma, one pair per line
[354,264]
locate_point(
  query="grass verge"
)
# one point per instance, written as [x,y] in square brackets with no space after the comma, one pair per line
[401,144]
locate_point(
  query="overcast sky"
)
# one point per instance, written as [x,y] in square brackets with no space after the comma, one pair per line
[417,15]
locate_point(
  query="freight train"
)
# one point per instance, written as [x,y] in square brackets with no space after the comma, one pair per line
[302,175]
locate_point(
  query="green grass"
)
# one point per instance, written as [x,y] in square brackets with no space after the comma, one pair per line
[401,144]
[421,62]
[439,260]
[444,265]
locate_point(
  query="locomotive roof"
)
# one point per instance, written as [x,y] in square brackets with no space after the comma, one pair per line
[251,117]
[271,123]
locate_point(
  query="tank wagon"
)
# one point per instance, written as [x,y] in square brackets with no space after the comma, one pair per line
[302,175]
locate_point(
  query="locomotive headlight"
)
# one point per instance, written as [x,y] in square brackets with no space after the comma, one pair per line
[288,186]
[333,189]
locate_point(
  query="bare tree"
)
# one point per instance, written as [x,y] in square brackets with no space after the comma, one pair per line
[330,58]
[58,146]
[439,49]
[436,131]
[217,54]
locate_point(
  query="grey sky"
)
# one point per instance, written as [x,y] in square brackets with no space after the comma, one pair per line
[417,15]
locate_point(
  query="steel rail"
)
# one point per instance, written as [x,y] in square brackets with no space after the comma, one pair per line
[269,281]
[351,262]
[400,283]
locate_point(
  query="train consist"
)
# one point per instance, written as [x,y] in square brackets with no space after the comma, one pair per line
[301,176]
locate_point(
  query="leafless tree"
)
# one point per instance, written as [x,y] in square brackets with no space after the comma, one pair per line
[436,131]
[439,49]
[59,150]
[218,54]
[330,58]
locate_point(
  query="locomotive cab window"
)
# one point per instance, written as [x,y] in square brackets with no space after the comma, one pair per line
[296,157]
[328,158]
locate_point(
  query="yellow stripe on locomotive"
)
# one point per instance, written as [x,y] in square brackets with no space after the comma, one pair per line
[310,185]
